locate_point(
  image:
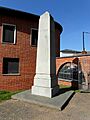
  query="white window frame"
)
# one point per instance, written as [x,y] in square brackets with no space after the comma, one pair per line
[14,33]
[31,37]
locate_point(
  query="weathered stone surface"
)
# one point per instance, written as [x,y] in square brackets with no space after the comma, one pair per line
[45,83]
[57,102]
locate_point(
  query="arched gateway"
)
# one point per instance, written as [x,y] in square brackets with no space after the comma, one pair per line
[74,71]
[68,74]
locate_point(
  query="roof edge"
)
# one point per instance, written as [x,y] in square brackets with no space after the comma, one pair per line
[19,13]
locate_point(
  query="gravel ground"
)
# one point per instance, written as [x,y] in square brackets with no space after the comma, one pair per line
[77,109]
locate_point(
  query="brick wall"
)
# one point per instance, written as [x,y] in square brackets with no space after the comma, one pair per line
[22,50]
[62,61]
[83,63]
[57,33]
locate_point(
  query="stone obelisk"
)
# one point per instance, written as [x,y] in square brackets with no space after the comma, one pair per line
[45,82]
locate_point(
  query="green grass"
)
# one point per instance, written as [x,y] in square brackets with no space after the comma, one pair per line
[64,86]
[6,95]
[77,91]
[69,88]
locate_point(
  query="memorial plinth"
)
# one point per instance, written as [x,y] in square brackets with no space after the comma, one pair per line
[45,82]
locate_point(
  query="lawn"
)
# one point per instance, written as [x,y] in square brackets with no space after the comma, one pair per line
[67,88]
[6,95]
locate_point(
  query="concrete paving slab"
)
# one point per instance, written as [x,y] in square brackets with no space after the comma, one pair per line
[85,91]
[58,102]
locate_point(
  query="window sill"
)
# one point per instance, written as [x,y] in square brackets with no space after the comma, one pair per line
[17,74]
[33,46]
[67,80]
[8,43]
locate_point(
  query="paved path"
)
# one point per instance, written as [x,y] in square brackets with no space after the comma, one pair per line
[77,109]
[57,102]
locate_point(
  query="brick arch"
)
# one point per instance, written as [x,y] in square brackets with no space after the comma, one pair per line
[61,67]
[61,61]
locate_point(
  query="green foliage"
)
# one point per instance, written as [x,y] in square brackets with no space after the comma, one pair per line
[6,95]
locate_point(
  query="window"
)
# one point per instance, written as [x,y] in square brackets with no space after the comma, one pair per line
[34,37]
[10,65]
[9,33]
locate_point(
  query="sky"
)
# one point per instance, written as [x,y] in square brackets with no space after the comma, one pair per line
[73,15]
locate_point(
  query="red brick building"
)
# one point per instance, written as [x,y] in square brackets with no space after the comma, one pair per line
[18,41]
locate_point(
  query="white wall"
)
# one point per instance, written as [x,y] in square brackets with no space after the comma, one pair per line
[66,54]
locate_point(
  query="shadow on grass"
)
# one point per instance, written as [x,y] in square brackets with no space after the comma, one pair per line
[66,89]
[63,90]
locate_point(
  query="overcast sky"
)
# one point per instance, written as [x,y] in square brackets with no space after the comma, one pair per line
[73,15]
